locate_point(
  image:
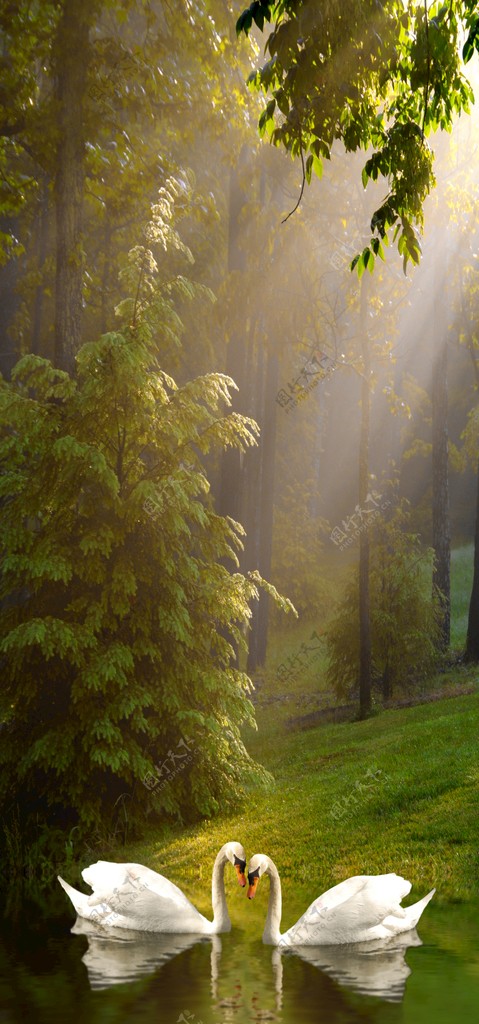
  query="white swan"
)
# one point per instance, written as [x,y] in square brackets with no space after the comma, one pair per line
[135,897]
[362,908]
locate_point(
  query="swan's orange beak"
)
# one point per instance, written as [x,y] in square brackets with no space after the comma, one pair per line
[253,882]
[240,873]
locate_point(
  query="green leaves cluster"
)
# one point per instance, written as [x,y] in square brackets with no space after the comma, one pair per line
[371,75]
[258,12]
[472,24]
[154,74]
[117,613]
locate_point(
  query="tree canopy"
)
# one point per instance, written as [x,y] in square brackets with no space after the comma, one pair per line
[378,75]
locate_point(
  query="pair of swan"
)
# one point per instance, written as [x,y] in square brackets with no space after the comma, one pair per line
[360,909]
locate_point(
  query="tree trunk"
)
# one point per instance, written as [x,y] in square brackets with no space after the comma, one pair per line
[105,279]
[387,688]
[472,642]
[253,481]
[440,490]
[9,303]
[263,499]
[230,490]
[231,483]
[42,250]
[364,599]
[71,57]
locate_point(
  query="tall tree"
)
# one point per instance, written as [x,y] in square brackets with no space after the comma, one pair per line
[464,210]
[261,497]
[230,491]
[26,147]
[100,104]
[71,58]
[472,639]
[364,554]
[471,444]
[441,539]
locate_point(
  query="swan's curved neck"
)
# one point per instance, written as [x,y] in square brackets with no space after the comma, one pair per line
[221,918]
[271,933]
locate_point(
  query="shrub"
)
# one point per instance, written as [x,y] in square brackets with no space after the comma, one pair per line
[403,610]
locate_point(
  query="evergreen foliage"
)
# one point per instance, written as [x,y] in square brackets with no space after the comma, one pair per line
[117,613]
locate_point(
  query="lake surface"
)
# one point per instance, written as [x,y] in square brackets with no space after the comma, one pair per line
[51,976]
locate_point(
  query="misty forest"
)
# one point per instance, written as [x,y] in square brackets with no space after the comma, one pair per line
[239,449]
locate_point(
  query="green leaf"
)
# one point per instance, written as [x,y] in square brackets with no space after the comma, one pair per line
[258,15]
[313,164]
[354,262]
[472,41]
[244,22]
[377,248]
[266,121]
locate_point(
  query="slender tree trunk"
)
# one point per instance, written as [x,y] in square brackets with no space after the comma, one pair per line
[264,500]
[261,499]
[253,480]
[230,492]
[9,302]
[105,279]
[387,689]
[440,490]
[472,642]
[267,499]
[364,598]
[42,249]
[231,483]
[71,62]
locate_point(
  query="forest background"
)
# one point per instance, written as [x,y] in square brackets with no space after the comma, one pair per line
[149,268]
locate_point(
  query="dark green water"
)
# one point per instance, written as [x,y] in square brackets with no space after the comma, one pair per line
[48,974]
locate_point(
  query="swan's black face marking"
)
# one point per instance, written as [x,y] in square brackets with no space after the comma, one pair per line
[253,879]
[240,868]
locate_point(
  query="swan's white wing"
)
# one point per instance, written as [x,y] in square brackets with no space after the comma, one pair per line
[134,897]
[411,916]
[353,911]
[79,899]
[105,876]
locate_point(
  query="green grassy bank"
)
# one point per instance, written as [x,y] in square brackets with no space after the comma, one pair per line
[398,792]
[395,793]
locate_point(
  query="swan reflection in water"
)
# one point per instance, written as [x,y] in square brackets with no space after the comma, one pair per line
[116,956]
[374,968]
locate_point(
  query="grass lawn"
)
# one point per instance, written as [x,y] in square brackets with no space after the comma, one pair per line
[398,792]
[395,793]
